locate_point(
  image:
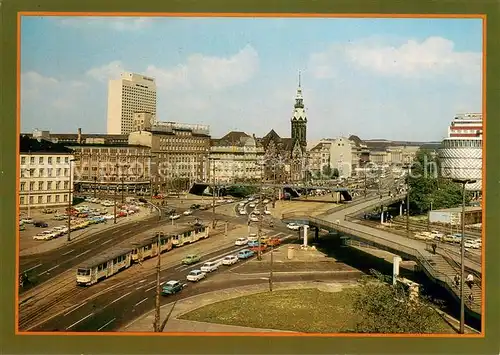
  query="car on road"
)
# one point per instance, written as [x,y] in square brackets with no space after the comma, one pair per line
[230,260]
[293,226]
[171,287]
[241,204]
[143,200]
[27,220]
[252,205]
[471,244]
[210,266]
[195,206]
[242,212]
[187,213]
[253,243]
[274,242]
[255,249]
[254,218]
[191,259]
[196,275]
[241,241]
[256,211]
[245,254]
[251,198]
[41,224]
[175,216]
[252,236]
[265,201]
[22,227]
[267,212]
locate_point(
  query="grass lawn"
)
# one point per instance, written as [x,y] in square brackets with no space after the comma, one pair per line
[300,310]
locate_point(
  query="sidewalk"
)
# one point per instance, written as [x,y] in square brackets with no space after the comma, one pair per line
[311,208]
[29,246]
[186,305]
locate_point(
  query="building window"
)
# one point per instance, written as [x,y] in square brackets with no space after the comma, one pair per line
[40,185]
[39,199]
[32,160]
[49,172]
[58,198]
[49,199]
[66,185]
[23,160]
[66,160]
[49,160]
[58,172]
[23,186]
[31,200]
[49,185]
[40,160]
[65,198]
[22,200]
[58,160]
[32,186]
[40,172]
[58,185]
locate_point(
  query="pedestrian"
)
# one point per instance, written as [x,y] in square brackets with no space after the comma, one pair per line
[456,280]
[471,297]
[469,280]
[434,247]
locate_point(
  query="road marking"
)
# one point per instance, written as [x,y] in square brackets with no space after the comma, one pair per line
[106,324]
[149,289]
[74,309]
[115,232]
[128,232]
[214,258]
[85,252]
[138,303]
[107,241]
[119,298]
[81,320]
[138,288]
[142,281]
[72,250]
[46,271]
[34,267]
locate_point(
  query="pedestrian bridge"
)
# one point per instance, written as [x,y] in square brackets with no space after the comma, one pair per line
[441,268]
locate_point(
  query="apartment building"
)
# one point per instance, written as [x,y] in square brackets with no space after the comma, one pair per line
[45,170]
[236,157]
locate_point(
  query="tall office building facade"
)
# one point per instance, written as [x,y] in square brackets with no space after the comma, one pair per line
[130,94]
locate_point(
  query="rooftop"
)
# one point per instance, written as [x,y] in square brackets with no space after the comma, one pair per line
[31,145]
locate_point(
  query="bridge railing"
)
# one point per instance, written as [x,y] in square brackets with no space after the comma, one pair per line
[383,242]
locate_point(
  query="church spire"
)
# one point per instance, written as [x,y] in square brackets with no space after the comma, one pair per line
[299,79]
[299,100]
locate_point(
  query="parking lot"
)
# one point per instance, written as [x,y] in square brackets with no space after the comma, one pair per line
[28,245]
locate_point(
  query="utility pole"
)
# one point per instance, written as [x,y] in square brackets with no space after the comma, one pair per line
[365,180]
[408,204]
[213,194]
[156,324]
[261,217]
[271,269]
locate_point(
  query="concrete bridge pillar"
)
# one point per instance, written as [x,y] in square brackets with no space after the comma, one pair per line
[401,209]
[306,230]
[316,234]
[395,268]
[382,216]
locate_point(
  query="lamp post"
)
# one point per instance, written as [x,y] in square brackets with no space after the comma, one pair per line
[408,203]
[463,182]
[259,235]
[29,190]
[70,198]
[213,191]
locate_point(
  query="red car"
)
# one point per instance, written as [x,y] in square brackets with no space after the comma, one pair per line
[274,242]
[256,249]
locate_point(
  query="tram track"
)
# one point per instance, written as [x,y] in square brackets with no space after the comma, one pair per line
[34,308]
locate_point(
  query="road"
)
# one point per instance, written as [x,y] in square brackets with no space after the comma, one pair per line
[50,264]
[133,295]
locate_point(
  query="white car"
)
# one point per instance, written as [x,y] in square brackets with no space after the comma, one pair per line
[256,211]
[468,244]
[196,275]
[252,237]
[210,266]
[242,212]
[265,201]
[230,260]
[241,241]
[187,213]
[221,201]
[251,198]
[252,205]
[293,226]
[254,219]
[229,201]
[267,212]
[175,216]
[241,204]
[27,220]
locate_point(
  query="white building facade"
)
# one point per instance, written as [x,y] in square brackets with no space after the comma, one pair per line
[130,94]
[341,156]
[461,154]
[236,158]
[45,179]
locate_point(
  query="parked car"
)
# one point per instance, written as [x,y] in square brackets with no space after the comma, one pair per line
[274,241]
[255,249]
[196,275]
[253,243]
[210,266]
[245,254]
[242,212]
[252,237]
[171,287]
[191,259]
[174,216]
[252,205]
[265,201]
[230,260]
[195,206]
[241,241]
[143,200]
[267,212]
[187,212]
[27,220]
[256,211]
[293,226]
[254,218]
[41,224]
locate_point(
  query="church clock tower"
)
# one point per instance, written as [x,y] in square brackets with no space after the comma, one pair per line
[299,120]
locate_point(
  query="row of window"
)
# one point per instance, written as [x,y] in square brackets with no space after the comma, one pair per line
[121,151]
[42,160]
[41,172]
[45,185]
[40,200]
[459,143]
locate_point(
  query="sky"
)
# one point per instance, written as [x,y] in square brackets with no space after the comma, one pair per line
[399,79]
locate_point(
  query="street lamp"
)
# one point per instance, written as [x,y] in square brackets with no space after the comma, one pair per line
[463,182]
[29,189]
[259,250]
[213,190]
[70,198]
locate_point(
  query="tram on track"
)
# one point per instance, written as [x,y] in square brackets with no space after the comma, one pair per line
[137,249]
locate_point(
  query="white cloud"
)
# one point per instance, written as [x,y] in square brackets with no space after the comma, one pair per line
[207,72]
[435,56]
[106,72]
[115,23]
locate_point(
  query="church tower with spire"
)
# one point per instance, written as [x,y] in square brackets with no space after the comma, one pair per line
[299,120]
